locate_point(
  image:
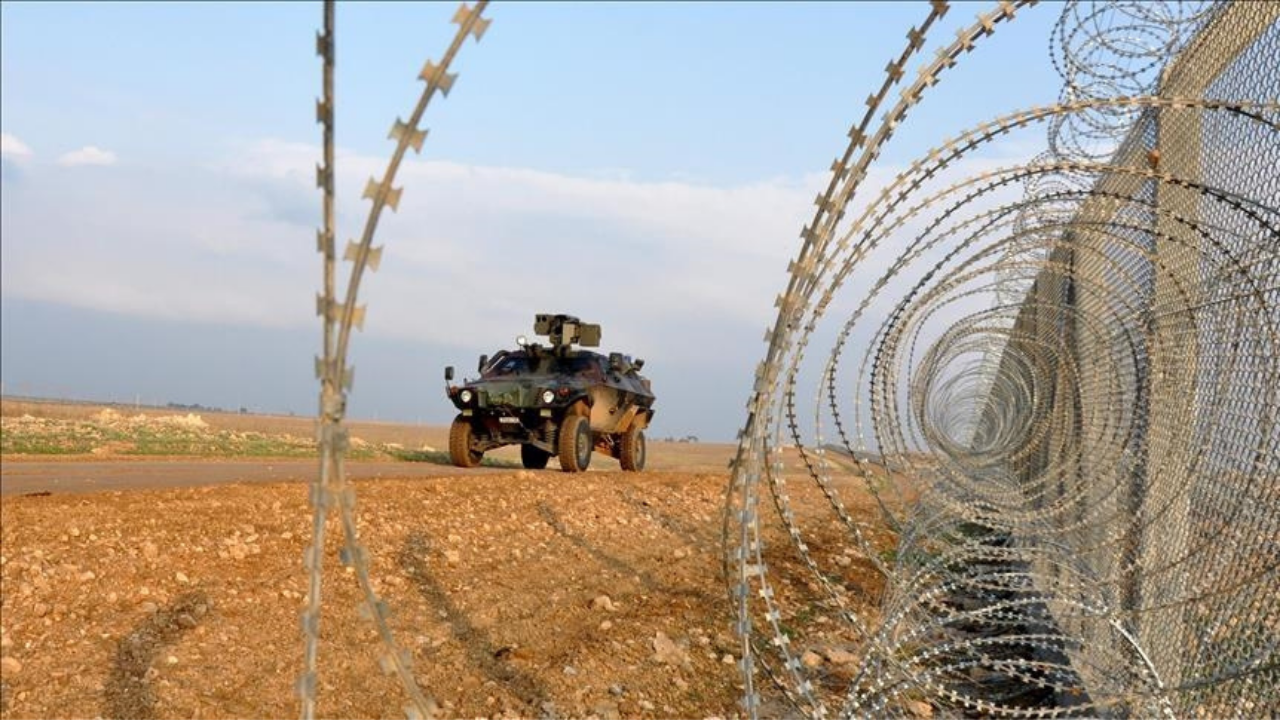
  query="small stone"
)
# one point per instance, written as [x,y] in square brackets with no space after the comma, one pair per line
[606,625]
[646,705]
[727,659]
[87,575]
[172,660]
[570,670]
[453,557]
[811,659]
[843,560]
[112,597]
[679,554]
[181,577]
[40,609]
[11,666]
[455,538]
[616,690]
[606,710]
[74,532]
[667,652]
[148,607]
[603,602]
[840,657]
[919,708]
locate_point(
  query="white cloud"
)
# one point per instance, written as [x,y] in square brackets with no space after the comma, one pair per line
[87,155]
[493,245]
[12,147]
[671,268]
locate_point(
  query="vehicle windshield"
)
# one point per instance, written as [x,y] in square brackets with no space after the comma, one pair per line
[519,363]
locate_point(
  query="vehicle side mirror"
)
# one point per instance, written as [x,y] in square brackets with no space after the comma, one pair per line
[615,362]
[484,360]
[638,364]
[448,373]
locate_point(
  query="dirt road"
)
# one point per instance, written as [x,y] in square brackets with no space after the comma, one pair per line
[63,476]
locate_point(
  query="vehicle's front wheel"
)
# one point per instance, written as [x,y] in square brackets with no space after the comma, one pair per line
[631,450]
[534,457]
[460,437]
[575,444]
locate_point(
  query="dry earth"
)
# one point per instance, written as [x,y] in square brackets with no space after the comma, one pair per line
[519,594]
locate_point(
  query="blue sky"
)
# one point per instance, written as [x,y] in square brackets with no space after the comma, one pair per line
[646,166]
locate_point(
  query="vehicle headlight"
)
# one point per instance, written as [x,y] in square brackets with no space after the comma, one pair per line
[548,396]
[465,396]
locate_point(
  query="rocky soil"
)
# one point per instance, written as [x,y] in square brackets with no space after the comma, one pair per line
[520,594]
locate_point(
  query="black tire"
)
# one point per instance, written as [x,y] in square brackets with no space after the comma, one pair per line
[632,450]
[460,436]
[576,444]
[534,457]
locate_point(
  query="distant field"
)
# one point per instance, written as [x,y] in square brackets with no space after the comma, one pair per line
[38,429]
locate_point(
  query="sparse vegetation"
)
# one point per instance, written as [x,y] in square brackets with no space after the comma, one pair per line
[109,433]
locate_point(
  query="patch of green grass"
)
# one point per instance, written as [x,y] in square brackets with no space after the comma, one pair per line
[43,446]
[55,437]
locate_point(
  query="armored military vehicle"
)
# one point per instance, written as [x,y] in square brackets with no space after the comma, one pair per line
[553,400]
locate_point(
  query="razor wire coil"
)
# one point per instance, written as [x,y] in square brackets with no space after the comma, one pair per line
[330,491]
[1078,385]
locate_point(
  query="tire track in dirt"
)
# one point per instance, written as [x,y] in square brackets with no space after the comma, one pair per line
[480,648]
[128,692]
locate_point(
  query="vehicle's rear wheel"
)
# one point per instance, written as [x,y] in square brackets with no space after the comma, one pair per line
[575,444]
[460,437]
[631,450]
[534,457]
